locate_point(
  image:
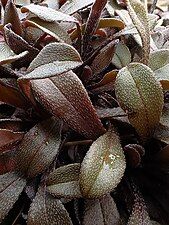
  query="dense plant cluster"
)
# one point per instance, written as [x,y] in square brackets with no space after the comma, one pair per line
[84,112]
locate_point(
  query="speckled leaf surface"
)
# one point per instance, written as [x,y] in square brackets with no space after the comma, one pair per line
[48,14]
[159,63]
[7,55]
[101,212]
[39,147]
[11,186]
[64,181]
[69,101]
[52,28]
[103,166]
[54,59]
[135,89]
[73,6]
[46,210]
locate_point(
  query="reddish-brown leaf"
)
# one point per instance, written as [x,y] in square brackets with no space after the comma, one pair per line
[69,101]
[7,162]
[39,147]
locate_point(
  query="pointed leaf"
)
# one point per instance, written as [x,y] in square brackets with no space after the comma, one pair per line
[73,6]
[11,186]
[103,166]
[101,212]
[69,101]
[52,28]
[64,182]
[48,14]
[135,89]
[122,56]
[55,58]
[11,16]
[7,55]
[159,63]
[46,210]
[39,147]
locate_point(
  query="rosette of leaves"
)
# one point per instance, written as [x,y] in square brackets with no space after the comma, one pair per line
[84,116]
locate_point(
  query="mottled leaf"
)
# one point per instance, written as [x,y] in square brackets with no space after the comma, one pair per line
[52,28]
[122,56]
[47,14]
[64,182]
[139,16]
[46,210]
[7,55]
[135,89]
[11,186]
[103,166]
[69,101]
[9,139]
[55,58]
[39,147]
[101,212]
[73,6]
[11,16]
[159,63]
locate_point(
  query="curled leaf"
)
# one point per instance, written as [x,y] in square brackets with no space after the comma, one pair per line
[7,55]
[69,101]
[64,181]
[101,212]
[135,89]
[55,58]
[46,210]
[11,186]
[103,166]
[39,147]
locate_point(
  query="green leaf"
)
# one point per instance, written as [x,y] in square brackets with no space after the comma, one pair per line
[39,147]
[69,101]
[159,63]
[101,212]
[48,14]
[52,28]
[11,186]
[122,56]
[73,6]
[54,59]
[103,166]
[46,210]
[7,55]
[135,89]
[64,182]
[139,16]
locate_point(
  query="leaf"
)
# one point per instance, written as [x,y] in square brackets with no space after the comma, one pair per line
[103,166]
[159,63]
[69,101]
[73,6]
[64,182]
[54,59]
[139,16]
[10,94]
[11,16]
[139,212]
[9,139]
[39,147]
[122,56]
[7,55]
[7,162]
[11,186]
[135,89]
[52,28]
[47,210]
[110,112]
[101,212]
[100,63]
[48,14]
